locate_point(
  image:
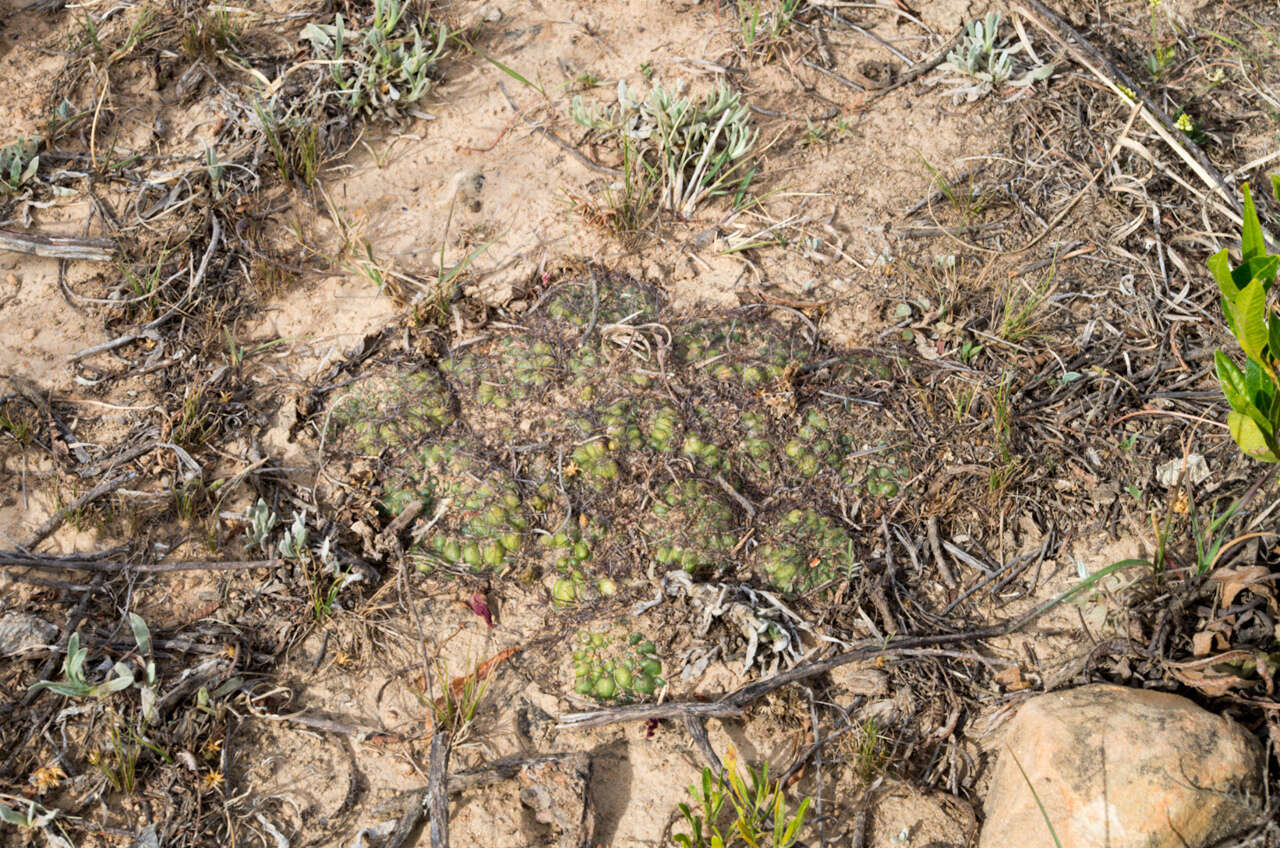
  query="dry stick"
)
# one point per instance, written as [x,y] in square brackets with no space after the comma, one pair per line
[786,776]
[54,521]
[943,568]
[1114,78]
[58,247]
[437,793]
[49,562]
[698,730]
[1066,210]
[29,580]
[459,782]
[732,705]
[434,799]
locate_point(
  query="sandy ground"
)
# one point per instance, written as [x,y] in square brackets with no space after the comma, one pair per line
[479,173]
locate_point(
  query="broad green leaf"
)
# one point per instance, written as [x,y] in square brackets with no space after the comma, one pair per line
[122,680]
[1232,381]
[1229,313]
[1257,387]
[1251,318]
[148,703]
[30,171]
[1259,268]
[1249,437]
[1275,187]
[1220,265]
[1273,335]
[141,634]
[1251,243]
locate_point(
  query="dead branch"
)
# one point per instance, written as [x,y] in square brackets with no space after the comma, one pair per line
[58,247]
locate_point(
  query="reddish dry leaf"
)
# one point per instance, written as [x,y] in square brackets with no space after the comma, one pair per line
[480,606]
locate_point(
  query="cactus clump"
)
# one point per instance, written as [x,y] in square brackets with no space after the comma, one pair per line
[801,549]
[392,413]
[692,527]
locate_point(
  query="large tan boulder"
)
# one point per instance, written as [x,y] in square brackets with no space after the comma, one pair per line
[1117,767]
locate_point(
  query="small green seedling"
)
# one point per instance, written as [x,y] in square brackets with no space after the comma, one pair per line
[262,520]
[74,684]
[760,818]
[18,164]
[1254,392]
[386,66]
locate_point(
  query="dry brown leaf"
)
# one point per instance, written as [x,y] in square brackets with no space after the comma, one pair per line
[1202,643]
[1212,675]
[1235,580]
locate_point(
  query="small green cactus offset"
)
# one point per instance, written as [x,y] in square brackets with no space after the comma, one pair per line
[619,669]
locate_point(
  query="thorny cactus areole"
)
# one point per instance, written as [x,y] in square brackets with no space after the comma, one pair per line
[607,439]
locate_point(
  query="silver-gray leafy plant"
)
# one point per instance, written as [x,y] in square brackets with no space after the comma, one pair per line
[700,147]
[74,683]
[984,62]
[293,544]
[384,67]
[262,520]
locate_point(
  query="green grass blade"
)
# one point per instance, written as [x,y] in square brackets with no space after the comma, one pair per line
[1036,795]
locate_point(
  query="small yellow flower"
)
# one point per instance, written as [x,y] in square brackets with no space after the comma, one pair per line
[1127,93]
[1184,123]
[211,781]
[46,777]
[212,748]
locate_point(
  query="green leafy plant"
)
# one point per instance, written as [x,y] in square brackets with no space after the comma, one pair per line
[610,670]
[127,738]
[758,816]
[18,164]
[763,31]
[34,816]
[74,684]
[1254,392]
[1161,55]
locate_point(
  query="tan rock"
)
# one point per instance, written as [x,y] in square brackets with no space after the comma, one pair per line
[1120,767]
